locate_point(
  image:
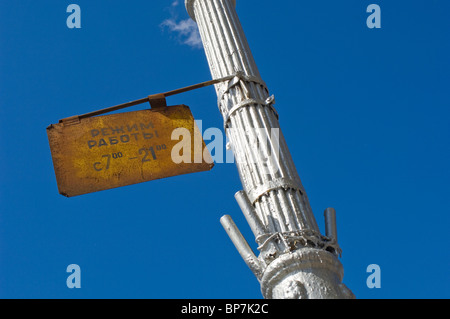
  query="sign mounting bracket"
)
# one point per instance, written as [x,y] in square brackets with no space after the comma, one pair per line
[155,100]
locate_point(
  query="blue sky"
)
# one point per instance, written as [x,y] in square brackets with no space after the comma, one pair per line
[365,113]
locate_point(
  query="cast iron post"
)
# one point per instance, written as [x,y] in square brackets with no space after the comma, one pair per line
[295,260]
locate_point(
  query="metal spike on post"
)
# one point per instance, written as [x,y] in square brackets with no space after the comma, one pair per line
[295,260]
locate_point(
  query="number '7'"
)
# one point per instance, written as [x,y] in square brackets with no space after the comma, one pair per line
[108,161]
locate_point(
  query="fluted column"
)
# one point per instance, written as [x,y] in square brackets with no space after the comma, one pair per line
[273,199]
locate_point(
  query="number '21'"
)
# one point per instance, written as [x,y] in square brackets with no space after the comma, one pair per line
[146,152]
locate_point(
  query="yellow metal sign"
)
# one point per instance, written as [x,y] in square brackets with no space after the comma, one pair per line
[104,152]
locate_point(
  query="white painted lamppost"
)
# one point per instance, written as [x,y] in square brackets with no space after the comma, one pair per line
[295,260]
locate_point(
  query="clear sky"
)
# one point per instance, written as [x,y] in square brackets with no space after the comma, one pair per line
[365,113]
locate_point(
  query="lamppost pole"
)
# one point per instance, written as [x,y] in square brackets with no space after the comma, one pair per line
[295,260]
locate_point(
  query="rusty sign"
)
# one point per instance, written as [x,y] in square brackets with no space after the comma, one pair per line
[104,152]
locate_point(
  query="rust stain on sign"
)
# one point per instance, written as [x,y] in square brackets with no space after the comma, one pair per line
[104,152]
